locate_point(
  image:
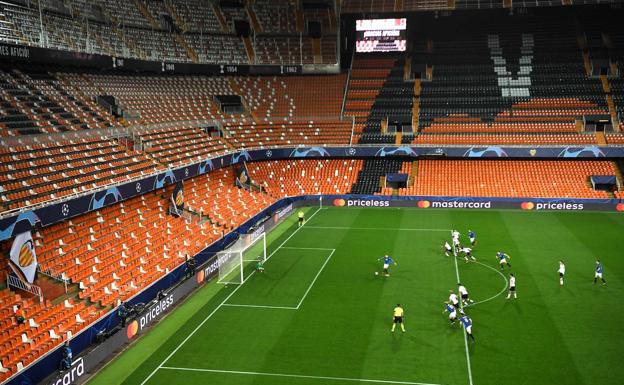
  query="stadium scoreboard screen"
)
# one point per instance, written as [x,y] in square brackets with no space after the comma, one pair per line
[381,35]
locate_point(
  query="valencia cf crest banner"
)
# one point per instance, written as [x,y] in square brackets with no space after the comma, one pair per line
[242,176]
[23,257]
[177,197]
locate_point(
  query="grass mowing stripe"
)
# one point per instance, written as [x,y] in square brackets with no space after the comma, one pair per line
[221,304]
[461,306]
[261,306]
[315,278]
[500,292]
[372,228]
[298,376]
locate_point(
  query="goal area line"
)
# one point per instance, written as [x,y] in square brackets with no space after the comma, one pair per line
[318,273]
[325,378]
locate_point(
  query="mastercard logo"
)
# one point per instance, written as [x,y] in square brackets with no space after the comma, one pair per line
[424,204]
[201,276]
[527,205]
[339,202]
[132,329]
[620,207]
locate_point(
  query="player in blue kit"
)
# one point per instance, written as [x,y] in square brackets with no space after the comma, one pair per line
[471,236]
[503,259]
[386,264]
[452,312]
[467,322]
[598,273]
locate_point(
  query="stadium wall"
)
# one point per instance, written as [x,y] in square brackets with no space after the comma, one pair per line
[48,213]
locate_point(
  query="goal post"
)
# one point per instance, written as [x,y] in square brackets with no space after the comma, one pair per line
[239,260]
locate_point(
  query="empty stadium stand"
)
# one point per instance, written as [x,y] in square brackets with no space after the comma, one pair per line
[284,178]
[189,31]
[506,178]
[31,174]
[373,171]
[179,144]
[34,101]
[227,206]
[524,79]
[479,81]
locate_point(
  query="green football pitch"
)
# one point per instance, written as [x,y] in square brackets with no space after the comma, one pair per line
[319,315]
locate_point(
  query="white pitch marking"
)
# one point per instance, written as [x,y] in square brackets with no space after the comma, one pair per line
[315,278]
[306,248]
[260,306]
[298,376]
[220,305]
[500,292]
[371,228]
[464,329]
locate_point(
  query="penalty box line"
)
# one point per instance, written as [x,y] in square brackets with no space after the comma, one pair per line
[192,333]
[318,273]
[328,378]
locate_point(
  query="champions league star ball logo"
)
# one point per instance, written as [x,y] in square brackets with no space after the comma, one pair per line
[65,209]
[351,151]
[138,187]
[269,153]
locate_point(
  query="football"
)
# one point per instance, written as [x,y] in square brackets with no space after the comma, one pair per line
[376,273]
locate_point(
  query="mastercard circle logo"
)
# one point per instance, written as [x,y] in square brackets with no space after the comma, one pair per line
[200,276]
[339,202]
[620,207]
[424,204]
[527,205]
[132,329]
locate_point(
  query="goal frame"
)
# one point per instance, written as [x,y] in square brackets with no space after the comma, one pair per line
[243,244]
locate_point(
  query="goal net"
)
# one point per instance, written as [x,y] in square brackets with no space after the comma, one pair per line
[240,259]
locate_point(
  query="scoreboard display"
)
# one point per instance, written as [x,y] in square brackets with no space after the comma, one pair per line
[381,35]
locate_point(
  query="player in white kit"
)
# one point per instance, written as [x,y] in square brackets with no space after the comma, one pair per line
[561,272]
[512,287]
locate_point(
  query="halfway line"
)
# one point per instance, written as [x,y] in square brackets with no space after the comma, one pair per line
[298,376]
[463,328]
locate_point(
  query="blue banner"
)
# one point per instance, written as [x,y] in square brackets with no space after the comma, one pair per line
[55,212]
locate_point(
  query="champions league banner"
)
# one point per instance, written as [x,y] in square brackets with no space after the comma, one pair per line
[242,176]
[58,211]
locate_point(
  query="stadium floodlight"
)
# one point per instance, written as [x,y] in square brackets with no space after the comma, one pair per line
[238,261]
